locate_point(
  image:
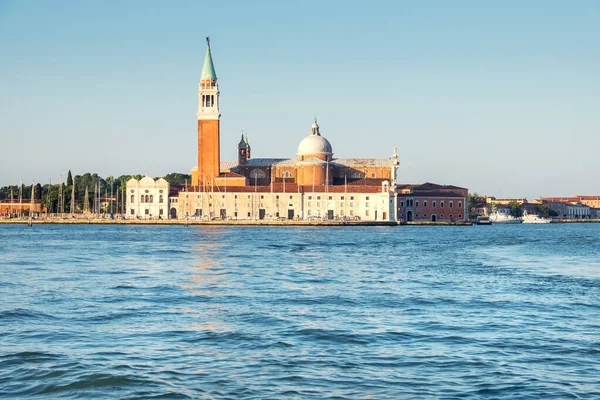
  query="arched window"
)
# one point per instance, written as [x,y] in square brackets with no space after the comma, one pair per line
[160,198]
[151,199]
[257,173]
[287,174]
[132,198]
[357,175]
[146,199]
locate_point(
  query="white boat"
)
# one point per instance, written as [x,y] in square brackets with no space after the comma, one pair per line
[535,219]
[502,218]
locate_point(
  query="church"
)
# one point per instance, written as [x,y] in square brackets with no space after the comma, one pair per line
[313,184]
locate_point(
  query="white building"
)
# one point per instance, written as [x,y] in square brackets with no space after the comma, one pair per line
[147,198]
[353,202]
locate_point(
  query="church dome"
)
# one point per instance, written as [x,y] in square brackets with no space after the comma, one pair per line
[314,143]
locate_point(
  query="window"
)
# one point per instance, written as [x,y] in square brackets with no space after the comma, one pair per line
[160,212]
[318,204]
[309,213]
[160,198]
[451,204]
[151,199]
[262,196]
[132,211]
[424,215]
[442,216]
[257,174]
[459,205]
[401,204]
[277,214]
[235,214]
[459,215]
[417,204]
[367,198]
[160,191]
[287,174]
[451,216]
[132,198]
[277,197]
[291,197]
[351,197]
[330,197]
[310,197]
[367,204]
[342,213]
[342,198]
[442,204]
[434,204]
[146,211]
[132,191]
[318,197]
[366,212]
[309,204]
[248,214]
[222,196]
[235,197]
[248,196]
[351,212]
[373,175]
[351,204]
[425,203]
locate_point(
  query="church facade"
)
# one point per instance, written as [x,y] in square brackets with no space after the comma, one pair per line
[313,184]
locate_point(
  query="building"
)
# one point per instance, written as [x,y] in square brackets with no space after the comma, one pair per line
[17,208]
[592,201]
[312,184]
[147,198]
[432,202]
[570,210]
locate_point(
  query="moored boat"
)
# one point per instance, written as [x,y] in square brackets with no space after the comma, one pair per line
[535,219]
[502,218]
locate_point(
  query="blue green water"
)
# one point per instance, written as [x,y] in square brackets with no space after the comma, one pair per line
[145,312]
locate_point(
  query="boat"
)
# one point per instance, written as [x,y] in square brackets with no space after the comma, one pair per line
[535,219]
[504,218]
[481,220]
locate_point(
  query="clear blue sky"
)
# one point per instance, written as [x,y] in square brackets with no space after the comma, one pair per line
[499,97]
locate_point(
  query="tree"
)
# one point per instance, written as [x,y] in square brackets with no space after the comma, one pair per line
[515,209]
[177,178]
[69,179]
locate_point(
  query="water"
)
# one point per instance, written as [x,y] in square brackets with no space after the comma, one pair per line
[146,312]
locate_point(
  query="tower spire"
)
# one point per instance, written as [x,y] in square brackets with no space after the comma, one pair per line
[208,70]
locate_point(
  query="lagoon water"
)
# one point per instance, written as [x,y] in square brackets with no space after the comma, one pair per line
[146,312]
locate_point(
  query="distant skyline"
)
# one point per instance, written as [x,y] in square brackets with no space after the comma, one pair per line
[501,98]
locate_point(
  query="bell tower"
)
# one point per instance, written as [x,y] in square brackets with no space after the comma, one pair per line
[208,123]
[243,150]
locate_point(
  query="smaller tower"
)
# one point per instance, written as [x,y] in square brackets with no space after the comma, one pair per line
[243,150]
[395,165]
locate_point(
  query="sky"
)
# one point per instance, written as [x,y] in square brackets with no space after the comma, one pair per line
[500,97]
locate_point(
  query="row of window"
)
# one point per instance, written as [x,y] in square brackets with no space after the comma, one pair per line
[441,215]
[409,203]
[147,198]
[147,212]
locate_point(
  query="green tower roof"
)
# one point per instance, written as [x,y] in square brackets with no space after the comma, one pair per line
[208,71]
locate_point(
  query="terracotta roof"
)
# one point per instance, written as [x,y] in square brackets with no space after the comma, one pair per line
[432,193]
[290,188]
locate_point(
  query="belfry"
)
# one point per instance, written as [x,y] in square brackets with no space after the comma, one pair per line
[208,124]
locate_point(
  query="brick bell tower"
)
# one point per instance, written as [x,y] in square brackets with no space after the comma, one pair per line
[208,123]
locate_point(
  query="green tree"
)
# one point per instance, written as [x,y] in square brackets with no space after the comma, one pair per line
[177,178]
[69,179]
[515,209]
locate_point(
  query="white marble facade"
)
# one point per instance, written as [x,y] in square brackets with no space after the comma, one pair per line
[147,198]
